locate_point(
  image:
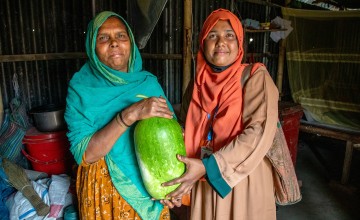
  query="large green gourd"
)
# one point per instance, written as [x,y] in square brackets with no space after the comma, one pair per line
[157,142]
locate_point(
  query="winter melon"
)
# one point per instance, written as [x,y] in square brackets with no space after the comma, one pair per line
[157,142]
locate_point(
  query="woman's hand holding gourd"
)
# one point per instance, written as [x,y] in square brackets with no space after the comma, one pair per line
[195,169]
[146,108]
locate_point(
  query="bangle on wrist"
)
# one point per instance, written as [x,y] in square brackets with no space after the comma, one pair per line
[118,121]
[122,120]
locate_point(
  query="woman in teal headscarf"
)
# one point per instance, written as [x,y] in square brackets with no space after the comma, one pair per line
[105,99]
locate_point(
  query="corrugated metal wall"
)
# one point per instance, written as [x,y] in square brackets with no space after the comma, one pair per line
[43,27]
[167,38]
[48,37]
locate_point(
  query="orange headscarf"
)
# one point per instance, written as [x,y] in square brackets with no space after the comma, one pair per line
[222,90]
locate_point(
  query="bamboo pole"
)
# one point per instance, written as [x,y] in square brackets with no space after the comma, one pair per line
[280,72]
[187,42]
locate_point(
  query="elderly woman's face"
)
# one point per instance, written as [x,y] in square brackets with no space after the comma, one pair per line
[221,45]
[113,44]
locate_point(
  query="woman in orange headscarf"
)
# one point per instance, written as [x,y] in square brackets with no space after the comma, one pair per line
[230,125]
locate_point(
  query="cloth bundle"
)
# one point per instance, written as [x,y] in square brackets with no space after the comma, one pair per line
[12,131]
[53,191]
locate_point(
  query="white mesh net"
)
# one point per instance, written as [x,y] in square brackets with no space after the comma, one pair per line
[323,59]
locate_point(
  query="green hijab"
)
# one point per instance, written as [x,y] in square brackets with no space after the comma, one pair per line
[95,95]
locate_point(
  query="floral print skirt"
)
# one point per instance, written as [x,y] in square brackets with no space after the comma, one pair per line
[98,197]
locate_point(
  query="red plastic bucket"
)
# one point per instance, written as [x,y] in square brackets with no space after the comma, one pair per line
[47,151]
[290,115]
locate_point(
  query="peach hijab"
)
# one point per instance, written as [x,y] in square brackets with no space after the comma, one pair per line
[212,90]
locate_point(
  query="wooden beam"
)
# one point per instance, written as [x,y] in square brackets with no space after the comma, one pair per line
[280,72]
[347,162]
[42,56]
[340,135]
[350,138]
[81,55]
[162,56]
[75,55]
[187,43]
[248,30]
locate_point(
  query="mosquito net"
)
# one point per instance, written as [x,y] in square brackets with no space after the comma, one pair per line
[323,60]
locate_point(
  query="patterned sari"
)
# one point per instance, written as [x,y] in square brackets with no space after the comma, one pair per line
[95,95]
[107,203]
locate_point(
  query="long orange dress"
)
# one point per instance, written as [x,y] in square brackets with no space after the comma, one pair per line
[99,199]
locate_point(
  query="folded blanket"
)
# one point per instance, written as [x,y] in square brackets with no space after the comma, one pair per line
[53,191]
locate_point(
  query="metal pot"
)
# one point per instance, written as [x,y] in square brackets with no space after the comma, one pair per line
[48,118]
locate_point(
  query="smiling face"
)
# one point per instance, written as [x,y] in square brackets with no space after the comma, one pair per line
[220,45]
[113,44]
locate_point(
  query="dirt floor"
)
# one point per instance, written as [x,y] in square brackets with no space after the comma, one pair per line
[319,168]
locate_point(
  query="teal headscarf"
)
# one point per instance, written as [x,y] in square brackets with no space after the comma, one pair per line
[95,95]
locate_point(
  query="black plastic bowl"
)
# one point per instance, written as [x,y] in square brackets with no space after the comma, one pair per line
[48,118]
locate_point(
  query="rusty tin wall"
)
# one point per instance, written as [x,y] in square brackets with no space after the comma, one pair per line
[49,27]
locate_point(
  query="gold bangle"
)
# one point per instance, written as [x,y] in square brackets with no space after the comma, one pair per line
[122,120]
